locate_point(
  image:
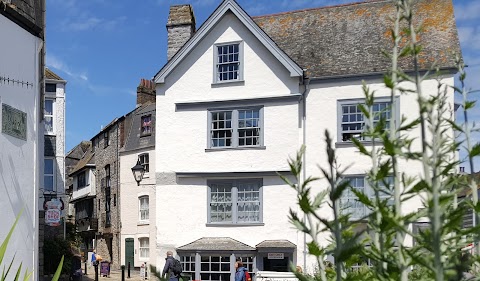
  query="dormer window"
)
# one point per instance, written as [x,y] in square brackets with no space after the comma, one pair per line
[228,60]
[146,125]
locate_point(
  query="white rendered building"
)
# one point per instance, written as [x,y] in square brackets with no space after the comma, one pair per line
[241,95]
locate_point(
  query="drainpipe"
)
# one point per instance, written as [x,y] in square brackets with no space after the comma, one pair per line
[306,82]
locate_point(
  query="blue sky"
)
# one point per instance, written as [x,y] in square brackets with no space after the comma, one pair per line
[104,47]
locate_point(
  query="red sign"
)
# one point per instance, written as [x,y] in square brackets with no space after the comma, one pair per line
[53,212]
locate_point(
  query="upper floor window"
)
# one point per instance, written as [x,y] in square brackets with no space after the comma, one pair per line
[349,201]
[49,174]
[146,129]
[235,201]
[50,87]
[144,247]
[352,122]
[81,180]
[228,62]
[48,113]
[107,176]
[144,161]
[143,208]
[106,139]
[236,128]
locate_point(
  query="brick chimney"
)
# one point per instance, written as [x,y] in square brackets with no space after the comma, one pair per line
[180,27]
[145,92]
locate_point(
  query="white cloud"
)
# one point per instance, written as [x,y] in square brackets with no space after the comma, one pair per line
[53,62]
[89,23]
[468,10]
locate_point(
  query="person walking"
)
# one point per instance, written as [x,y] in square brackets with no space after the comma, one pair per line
[76,267]
[94,258]
[240,273]
[169,268]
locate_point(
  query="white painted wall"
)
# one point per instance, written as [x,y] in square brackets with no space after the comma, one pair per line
[87,190]
[20,168]
[182,214]
[132,227]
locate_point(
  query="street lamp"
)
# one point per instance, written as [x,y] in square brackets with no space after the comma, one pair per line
[138,171]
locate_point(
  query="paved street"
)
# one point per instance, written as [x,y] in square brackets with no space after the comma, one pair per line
[114,275]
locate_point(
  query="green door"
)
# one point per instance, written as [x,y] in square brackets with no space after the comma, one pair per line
[129,253]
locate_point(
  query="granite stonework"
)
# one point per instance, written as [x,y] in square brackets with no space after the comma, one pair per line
[107,209]
[180,27]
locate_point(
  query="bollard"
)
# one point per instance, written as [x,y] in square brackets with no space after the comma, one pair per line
[128,270]
[123,273]
[146,270]
[96,271]
[85,268]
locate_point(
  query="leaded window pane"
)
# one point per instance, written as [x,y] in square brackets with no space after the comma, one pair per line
[248,202]
[221,203]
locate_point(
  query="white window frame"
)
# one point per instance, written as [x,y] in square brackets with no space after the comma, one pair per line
[216,64]
[145,164]
[143,251]
[356,102]
[146,211]
[348,197]
[52,175]
[235,128]
[235,202]
[45,115]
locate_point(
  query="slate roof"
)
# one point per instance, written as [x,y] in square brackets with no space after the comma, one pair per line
[134,140]
[216,244]
[347,40]
[87,159]
[276,244]
[51,75]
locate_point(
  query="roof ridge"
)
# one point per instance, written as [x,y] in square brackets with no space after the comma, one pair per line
[321,8]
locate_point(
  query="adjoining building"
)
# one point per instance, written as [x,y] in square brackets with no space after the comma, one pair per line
[22,59]
[138,200]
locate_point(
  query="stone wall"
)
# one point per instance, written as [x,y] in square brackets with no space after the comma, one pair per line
[108,236]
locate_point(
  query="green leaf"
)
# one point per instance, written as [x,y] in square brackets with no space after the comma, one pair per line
[314,249]
[59,270]
[475,150]
[338,190]
[360,147]
[469,104]
[27,275]
[17,275]
[3,247]
[410,125]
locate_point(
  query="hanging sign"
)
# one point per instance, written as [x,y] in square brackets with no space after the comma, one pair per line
[53,212]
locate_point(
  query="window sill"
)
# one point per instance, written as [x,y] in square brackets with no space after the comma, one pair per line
[234,224]
[145,135]
[143,223]
[228,83]
[236,148]
[351,144]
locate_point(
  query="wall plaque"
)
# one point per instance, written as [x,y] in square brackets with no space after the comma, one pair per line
[14,122]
